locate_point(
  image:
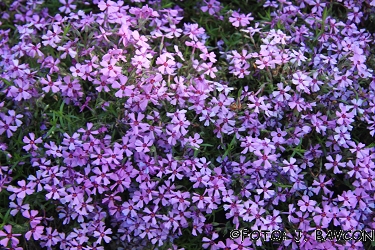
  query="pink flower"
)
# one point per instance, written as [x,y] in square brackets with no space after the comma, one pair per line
[69,88]
[166,64]
[238,19]
[103,83]
[109,5]
[77,70]
[209,69]
[31,141]
[51,85]
[109,68]
[123,89]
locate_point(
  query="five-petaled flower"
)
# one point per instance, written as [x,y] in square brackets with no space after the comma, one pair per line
[9,236]
[31,142]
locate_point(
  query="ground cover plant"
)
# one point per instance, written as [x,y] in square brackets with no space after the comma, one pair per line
[169,124]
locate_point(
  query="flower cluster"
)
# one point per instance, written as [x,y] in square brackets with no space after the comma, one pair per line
[127,125]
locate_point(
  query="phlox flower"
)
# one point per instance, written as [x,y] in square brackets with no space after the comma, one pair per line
[194,142]
[115,155]
[18,207]
[264,62]
[193,31]
[151,215]
[166,65]
[124,90]
[306,204]
[22,191]
[103,34]
[109,68]
[140,40]
[52,37]
[108,5]
[20,90]
[101,175]
[99,156]
[50,238]
[36,232]
[67,6]
[71,141]
[212,6]
[302,82]
[31,215]
[291,167]
[84,207]
[50,85]
[171,220]
[210,243]
[265,158]
[342,136]
[335,163]
[77,70]
[31,141]
[356,15]
[172,31]
[6,126]
[102,234]
[297,57]
[180,124]
[267,193]
[9,236]
[238,19]
[67,49]
[103,83]
[209,70]
[143,146]
[54,192]
[321,184]
[70,87]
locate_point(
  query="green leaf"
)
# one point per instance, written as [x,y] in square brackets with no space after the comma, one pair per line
[196,152]
[66,30]
[6,81]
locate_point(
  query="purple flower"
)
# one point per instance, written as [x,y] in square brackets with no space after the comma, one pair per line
[31,142]
[306,204]
[143,145]
[36,232]
[265,158]
[238,19]
[102,234]
[267,193]
[50,238]
[22,191]
[6,126]
[8,236]
[335,164]
[166,65]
